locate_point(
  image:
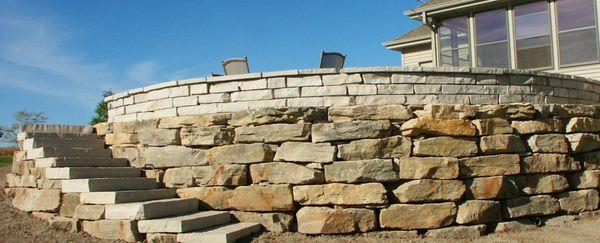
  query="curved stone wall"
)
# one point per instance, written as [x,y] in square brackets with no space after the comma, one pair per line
[451,170]
[348,87]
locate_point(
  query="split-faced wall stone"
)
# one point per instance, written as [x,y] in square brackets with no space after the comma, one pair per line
[501,144]
[217,175]
[306,152]
[492,126]
[213,197]
[515,226]
[376,170]
[89,212]
[324,220]
[541,183]
[159,137]
[396,113]
[121,139]
[438,127]
[341,194]
[194,121]
[585,179]
[132,154]
[427,168]
[583,142]
[574,110]
[589,160]
[445,147]
[240,154]
[428,190]
[273,222]
[274,133]
[583,124]
[507,111]
[495,187]
[545,163]
[278,115]
[30,199]
[269,198]
[579,201]
[285,173]
[349,130]
[458,232]
[125,230]
[69,202]
[174,156]
[206,136]
[479,212]
[548,143]
[531,206]
[549,125]
[443,111]
[417,216]
[490,165]
[382,148]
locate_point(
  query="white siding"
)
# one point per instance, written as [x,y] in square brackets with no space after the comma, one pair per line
[588,71]
[413,56]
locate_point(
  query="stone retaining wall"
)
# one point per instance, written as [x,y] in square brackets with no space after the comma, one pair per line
[348,87]
[376,168]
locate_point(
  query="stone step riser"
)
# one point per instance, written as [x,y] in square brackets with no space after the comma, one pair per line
[80,162]
[27,135]
[110,184]
[224,234]
[187,223]
[89,172]
[126,196]
[151,209]
[46,152]
[34,143]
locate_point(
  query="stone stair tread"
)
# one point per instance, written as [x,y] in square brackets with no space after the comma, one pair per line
[116,197]
[47,152]
[26,135]
[33,143]
[184,223]
[107,184]
[226,233]
[91,172]
[80,162]
[151,209]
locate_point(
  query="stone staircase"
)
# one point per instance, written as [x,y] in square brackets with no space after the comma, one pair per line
[116,202]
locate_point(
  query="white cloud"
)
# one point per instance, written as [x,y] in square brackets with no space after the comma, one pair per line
[143,72]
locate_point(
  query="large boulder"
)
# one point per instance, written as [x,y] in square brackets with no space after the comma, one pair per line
[240,154]
[492,126]
[490,165]
[530,206]
[438,127]
[323,220]
[494,187]
[272,198]
[479,212]
[278,115]
[377,170]
[273,222]
[206,136]
[427,168]
[305,152]
[159,137]
[579,201]
[458,232]
[383,148]
[583,124]
[174,156]
[583,142]
[542,183]
[194,121]
[285,173]
[341,194]
[417,216]
[47,200]
[550,125]
[445,147]
[274,133]
[214,197]
[548,143]
[217,175]
[349,130]
[501,144]
[125,230]
[585,179]
[428,190]
[546,163]
[398,113]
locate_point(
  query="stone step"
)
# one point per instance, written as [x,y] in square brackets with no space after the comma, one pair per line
[126,196]
[226,234]
[47,152]
[185,223]
[152,209]
[107,184]
[33,143]
[91,172]
[80,162]
[27,135]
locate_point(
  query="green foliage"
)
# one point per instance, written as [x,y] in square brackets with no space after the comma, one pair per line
[21,117]
[101,110]
[5,161]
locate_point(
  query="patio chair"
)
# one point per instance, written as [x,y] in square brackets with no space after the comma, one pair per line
[236,66]
[332,60]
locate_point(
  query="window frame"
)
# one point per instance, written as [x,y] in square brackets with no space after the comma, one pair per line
[558,32]
[551,34]
[508,34]
[469,40]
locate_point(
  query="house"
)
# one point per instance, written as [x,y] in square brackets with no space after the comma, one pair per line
[549,35]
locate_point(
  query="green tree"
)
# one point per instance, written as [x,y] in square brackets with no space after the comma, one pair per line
[101,110]
[21,117]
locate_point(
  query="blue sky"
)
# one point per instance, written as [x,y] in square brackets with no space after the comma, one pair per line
[58,56]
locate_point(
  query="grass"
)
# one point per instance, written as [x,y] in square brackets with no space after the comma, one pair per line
[5,161]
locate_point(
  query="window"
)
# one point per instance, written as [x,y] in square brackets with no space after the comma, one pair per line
[577,33]
[533,39]
[492,39]
[454,42]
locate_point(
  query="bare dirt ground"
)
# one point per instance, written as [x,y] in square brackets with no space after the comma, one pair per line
[17,226]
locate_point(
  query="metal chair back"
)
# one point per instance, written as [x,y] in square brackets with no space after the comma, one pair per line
[332,60]
[236,66]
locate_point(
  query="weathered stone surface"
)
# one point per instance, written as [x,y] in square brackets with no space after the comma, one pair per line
[417,216]
[531,206]
[47,200]
[174,156]
[385,112]
[161,238]
[583,124]
[377,170]
[392,147]
[131,154]
[458,232]
[214,197]
[438,127]
[273,222]
[514,226]
[585,179]
[285,173]
[194,121]
[64,224]
[218,175]
[571,110]
[479,212]
[274,133]
[583,142]
[550,125]
[548,143]
[544,163]
[579,201]
[21,181]
[507,111]
[125,230]
[428,190]
[589,160]
[323,220]
[262,198]
[69,204]
[501,143]
[121,138]
[427,168]
[89,212]
[134,126]
[278,115]
[492,126]
[559,220]
[159,137]
[240,154]
[445,147]
[492,188]
[490,165]
[206,136]
[340,194]
[102,128]
[444,111]
[349,130]
[157,174]
[305,152]
[542,184]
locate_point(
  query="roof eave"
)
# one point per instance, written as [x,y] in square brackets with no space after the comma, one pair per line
[391,45]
